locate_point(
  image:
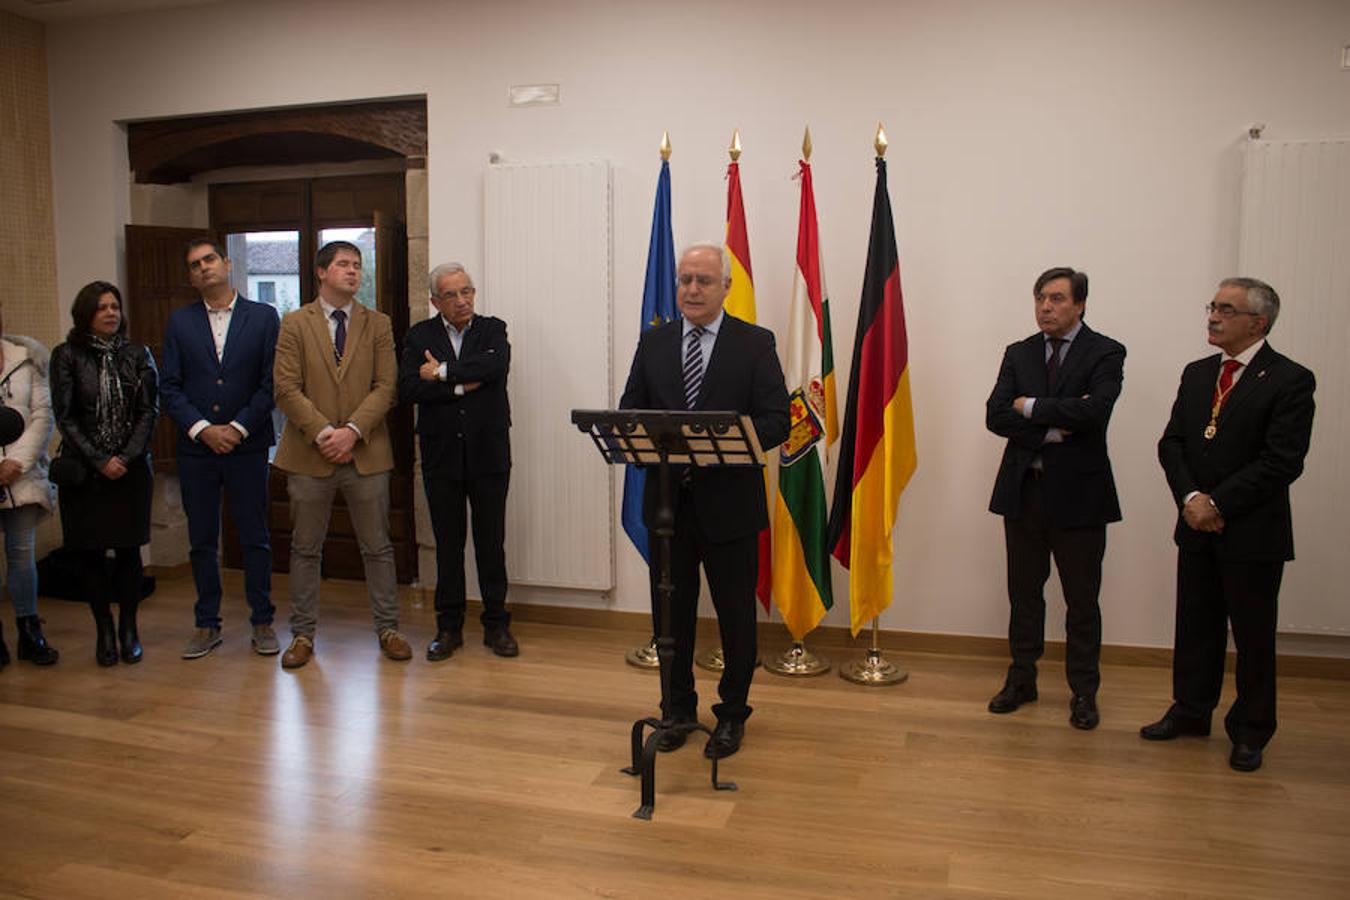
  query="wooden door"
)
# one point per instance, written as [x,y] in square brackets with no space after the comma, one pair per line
[157,284]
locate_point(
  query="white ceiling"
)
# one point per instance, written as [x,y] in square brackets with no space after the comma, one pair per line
[70,10]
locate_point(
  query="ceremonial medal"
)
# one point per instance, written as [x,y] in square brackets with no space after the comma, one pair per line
[1210,430]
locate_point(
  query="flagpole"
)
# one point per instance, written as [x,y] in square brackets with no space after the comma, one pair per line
[874,669]
[645,657]
[797,661]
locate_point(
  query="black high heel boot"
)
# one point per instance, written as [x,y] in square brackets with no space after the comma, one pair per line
[32,643]
[127,633]
[105,646]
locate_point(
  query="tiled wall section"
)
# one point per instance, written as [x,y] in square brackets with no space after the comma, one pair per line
[27,238]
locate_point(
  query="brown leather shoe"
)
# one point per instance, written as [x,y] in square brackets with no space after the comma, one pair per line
[395,645]
[501,642]
[299,652]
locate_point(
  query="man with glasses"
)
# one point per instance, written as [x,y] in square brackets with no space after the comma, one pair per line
[216,385]
[454,367]
[1239,431]
[1053,402]
[707,360]
[335,379]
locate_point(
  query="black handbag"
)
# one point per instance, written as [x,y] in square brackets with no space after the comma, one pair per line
[67,470]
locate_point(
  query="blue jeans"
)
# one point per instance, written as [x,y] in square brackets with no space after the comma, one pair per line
[20,524]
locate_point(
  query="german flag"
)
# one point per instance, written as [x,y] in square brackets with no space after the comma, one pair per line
[877,454]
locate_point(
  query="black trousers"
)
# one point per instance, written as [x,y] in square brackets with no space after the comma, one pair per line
[1031,542]
[731,568]
[484,499]
[1210,594]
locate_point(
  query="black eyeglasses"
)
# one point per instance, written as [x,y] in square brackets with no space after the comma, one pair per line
[1227,310]
[465,292]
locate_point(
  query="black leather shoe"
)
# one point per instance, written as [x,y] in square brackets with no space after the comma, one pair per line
[1083,712]
[1011,697]
[673,738]
[726,739]
[444,645]
[501,642]
[1171,727]
[32,644]
[1245,758]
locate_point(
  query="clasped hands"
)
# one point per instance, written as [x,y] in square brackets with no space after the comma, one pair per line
[431,371]
[1201,514]
[221,439]
[335,444]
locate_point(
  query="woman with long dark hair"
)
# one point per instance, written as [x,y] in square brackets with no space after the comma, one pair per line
[105,394]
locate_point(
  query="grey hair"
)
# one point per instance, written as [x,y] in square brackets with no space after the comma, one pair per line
[1261,298]
[719,249]
[444,269]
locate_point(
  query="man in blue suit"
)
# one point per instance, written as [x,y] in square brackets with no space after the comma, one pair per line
[216,385]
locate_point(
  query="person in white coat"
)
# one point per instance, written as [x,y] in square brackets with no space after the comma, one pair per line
[25,492]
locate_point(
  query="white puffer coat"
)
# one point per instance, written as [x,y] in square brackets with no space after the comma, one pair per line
[23,387]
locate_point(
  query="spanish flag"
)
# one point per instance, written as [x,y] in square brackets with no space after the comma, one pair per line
[801,556]
[877,456]
[740,303]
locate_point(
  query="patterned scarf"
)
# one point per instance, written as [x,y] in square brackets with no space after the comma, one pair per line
[112,412]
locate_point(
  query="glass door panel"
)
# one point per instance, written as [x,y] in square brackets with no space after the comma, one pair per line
[267,267]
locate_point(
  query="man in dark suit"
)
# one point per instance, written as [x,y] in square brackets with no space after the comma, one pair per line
[216,385]
[707,360]
[454,367]
[1053,402]
[1239,430]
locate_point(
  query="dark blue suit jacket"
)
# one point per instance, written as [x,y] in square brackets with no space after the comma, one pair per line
[194,385]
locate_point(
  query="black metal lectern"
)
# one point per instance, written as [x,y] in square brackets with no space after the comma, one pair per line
[662,438]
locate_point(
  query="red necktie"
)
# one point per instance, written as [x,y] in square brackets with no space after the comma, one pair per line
[1225,387]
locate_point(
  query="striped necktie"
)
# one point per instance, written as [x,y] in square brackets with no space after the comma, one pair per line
[340,335]
[693,366]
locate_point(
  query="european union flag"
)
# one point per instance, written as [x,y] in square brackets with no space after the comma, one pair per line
[658,307]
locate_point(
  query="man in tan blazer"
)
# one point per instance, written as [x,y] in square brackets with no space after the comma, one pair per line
[335,379]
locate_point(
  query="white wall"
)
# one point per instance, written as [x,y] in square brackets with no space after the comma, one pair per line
[1023,135]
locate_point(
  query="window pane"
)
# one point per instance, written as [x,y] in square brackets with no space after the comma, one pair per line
[364,239]
[267,267]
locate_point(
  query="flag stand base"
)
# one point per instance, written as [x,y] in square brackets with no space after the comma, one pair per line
[644,657]
[714,661]
[873,669]
[798,662]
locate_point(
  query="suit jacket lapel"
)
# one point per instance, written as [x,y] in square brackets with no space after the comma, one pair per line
[1073,356]
[238,322]
[1250,381]
[318,329]
[716,362]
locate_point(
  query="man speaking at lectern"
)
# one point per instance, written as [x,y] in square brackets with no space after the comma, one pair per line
[707,360]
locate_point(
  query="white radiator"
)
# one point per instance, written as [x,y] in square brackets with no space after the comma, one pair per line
[1296,236]
[547,272]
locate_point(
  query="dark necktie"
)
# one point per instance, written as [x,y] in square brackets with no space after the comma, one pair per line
[693,366]
[340,336]
[1052,364]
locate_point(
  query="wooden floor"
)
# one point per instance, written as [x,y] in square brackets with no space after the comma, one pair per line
[485,777]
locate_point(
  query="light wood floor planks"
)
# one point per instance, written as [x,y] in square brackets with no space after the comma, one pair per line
[482,777]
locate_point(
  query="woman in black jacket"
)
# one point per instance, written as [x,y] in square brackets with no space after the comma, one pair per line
[105,399]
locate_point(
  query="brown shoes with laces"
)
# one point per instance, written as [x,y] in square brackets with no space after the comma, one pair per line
[298,653]
[394,645]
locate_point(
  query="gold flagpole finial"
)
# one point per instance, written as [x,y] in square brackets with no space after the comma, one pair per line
[806,144]
[735,148]
[665,146]
[881,143]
